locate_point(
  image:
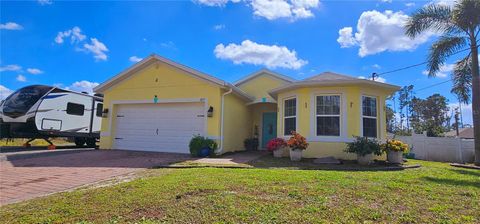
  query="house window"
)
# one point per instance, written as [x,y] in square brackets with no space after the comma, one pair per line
[75,109]
[289,116]
[369,116]
[328,115]
[99,109]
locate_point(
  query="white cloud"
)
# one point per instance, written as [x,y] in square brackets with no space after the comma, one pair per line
[220,3]
[276,9]
[443,2]
[467,114]
[169,45]
[10,68]
[75,35]
[376,66]
[4,92]
[271,56]
[11,26]
[345,37]
[387,1]
[377,79]
[97,48]
[82,86]
[34,71]
[444,71]
[410,4]
[135,59]
[45,2]
[378,32]
[219,27]
[21,78]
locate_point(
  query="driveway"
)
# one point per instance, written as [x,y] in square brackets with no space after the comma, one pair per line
[28,174]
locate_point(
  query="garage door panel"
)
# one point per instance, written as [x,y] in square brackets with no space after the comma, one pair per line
[158,127]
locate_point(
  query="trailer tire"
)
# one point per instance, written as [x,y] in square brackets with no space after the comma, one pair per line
[91,142]
[79,142]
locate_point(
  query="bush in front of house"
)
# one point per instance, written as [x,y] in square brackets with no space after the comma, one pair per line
[202,146]
[365,148]
[395,150]
[251,144]
[297,144]
[276,144]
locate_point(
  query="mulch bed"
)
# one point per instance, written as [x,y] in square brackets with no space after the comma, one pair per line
[465,166]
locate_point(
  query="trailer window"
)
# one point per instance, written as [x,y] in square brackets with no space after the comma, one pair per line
[99,109]
[75,109]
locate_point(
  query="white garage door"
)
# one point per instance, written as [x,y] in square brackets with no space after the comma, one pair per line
[163,127]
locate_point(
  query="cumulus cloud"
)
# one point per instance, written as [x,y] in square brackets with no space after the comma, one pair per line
[380,31]
[4,92]
[377,79]
[34,71]
[273,9]
[10,26]
[10,68]
[77,38]
[97,48]
[45,2]
[444,71]
[21,78]
[249,52]
[82,86]
[135,59]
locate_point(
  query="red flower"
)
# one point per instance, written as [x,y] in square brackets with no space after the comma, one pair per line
[276,144]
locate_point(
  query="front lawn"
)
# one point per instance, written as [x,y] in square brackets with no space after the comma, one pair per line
[434,193]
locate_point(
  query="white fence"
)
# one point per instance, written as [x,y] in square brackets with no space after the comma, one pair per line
[440,149]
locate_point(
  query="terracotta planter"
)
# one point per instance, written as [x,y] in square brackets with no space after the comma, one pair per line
[395,157]
[279,152]
[296,154]
[365,160]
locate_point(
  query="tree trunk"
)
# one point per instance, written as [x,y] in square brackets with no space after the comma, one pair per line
[475,98]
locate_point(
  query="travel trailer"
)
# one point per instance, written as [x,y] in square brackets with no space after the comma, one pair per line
[42,112]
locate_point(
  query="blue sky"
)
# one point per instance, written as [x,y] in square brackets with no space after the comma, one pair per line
[76,45]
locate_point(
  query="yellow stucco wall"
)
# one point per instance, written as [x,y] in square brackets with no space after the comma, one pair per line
[237,123]
[167,82]
[259,86]
[351,116]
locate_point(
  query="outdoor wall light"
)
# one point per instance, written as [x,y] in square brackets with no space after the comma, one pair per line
[210,112]
[105,112]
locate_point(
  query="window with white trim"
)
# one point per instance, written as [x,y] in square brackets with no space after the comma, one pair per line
[369,116]
[328,115]
[289,116]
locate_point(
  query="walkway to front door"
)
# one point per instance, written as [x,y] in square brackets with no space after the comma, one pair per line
[269,127]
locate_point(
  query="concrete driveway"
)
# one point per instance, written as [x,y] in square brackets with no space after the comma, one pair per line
[29,174]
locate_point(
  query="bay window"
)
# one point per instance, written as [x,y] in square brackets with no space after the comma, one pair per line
[327,115]
[289,116]
[369,116]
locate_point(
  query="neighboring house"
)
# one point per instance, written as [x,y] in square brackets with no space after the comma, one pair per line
[466,133]
[158,105]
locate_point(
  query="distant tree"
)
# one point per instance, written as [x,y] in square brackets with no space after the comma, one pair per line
[460,27]
[390,116]
[430,115]
[404,97]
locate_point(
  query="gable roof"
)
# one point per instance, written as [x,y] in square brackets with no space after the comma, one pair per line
[155,58]
[261,72]
[331,79]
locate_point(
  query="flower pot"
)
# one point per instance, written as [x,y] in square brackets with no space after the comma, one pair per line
[296,154]
[204,152]
[279,152]
[395,157]
[365,160]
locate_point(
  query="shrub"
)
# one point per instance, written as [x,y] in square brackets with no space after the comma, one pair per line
[275,144]
[363,146]
[394,145]
[297,141]
[198,142]
[251,144]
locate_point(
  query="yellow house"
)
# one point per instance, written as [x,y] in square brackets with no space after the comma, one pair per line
[158,105]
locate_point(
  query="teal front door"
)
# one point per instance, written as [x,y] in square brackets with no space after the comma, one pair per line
[269,127]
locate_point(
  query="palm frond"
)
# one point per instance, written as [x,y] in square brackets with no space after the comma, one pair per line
[441,50]
[466,14]
[462,80]
[432,16]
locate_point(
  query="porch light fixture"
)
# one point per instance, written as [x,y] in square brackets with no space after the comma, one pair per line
[105,113]
[210,112]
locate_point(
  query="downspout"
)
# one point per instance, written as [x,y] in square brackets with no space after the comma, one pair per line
[221,119]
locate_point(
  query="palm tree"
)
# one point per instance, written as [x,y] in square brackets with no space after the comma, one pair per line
[459,26]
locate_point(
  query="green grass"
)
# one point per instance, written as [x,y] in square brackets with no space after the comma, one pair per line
[434,193]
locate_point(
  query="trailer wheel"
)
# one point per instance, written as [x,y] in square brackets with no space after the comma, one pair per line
[79,142]
[91,142]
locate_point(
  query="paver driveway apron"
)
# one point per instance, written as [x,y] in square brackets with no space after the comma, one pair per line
[25,177]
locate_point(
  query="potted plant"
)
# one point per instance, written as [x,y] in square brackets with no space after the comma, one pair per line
[395,149]
[297,144]
[202,146]
[365,148]
[277,146]
[251,144]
